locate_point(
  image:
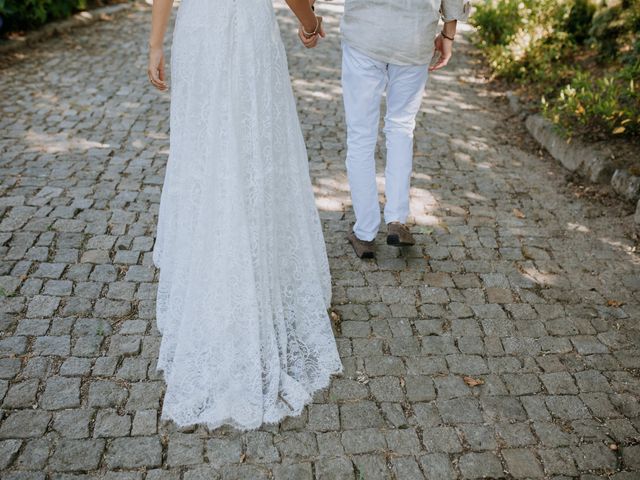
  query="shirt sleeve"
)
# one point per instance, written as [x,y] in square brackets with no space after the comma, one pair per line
[455,10]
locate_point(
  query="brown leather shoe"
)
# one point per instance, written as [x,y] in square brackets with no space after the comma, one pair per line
[362,248]
[398,235]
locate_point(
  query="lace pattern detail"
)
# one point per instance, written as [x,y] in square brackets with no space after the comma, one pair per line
[244,279]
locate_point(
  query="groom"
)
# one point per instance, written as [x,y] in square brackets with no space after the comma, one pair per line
[387,46]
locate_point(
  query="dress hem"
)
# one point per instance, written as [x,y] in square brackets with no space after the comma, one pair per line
[229,421]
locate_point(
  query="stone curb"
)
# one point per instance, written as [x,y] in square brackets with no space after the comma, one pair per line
[80,19]
[595,162]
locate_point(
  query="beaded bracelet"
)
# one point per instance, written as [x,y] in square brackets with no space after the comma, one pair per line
[314,33]
[446,36]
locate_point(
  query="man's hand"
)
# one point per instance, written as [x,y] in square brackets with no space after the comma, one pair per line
[444,45]
[444,48]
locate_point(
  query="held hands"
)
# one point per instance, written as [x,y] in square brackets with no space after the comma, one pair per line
[310,38]
[155,70]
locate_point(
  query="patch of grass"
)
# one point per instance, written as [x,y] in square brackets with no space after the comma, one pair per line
[4,293]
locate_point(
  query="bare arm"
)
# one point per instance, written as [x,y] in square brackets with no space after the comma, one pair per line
[444,45]
[451,12]
[160,14]
[302,10]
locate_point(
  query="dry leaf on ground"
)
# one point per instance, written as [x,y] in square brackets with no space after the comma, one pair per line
[519,213]
[362,378]
[473,382]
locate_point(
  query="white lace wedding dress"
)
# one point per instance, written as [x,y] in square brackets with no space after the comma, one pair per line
[244,279]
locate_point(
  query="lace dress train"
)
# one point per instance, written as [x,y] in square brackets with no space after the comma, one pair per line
[244,280]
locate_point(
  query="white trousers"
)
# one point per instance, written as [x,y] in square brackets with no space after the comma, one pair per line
[364,81]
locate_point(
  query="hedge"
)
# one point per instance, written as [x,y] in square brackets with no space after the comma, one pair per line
[581,58]
[28,14]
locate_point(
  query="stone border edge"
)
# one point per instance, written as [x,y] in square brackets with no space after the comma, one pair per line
[597,163]
[80,19]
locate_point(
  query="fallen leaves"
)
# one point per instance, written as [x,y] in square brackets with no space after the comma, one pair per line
[473,382]
[614,303]
[362,378]
[519,213]
[336,321]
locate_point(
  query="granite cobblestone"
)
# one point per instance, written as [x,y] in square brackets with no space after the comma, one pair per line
[504,345]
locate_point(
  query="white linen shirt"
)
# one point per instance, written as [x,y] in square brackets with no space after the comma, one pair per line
[400,32]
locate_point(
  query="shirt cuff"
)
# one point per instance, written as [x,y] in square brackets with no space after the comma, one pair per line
[455,10]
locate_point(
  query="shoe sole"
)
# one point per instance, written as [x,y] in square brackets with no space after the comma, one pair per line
[367,255]
[394,241]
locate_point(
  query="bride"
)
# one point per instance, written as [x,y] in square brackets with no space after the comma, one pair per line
[244,282]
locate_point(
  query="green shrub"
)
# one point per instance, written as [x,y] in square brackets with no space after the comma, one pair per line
[25,14]
[500,22]
[578,22]
[533,48]
[510,31]
[606,106]
[497,21]
[545,63]
[616,27]
[582,56]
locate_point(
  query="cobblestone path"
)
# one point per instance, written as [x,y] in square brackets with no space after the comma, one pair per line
[515,283]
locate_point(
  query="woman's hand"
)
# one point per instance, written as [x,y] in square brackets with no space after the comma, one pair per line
[155,70]
[308,20]
[311,42]
[160,13]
